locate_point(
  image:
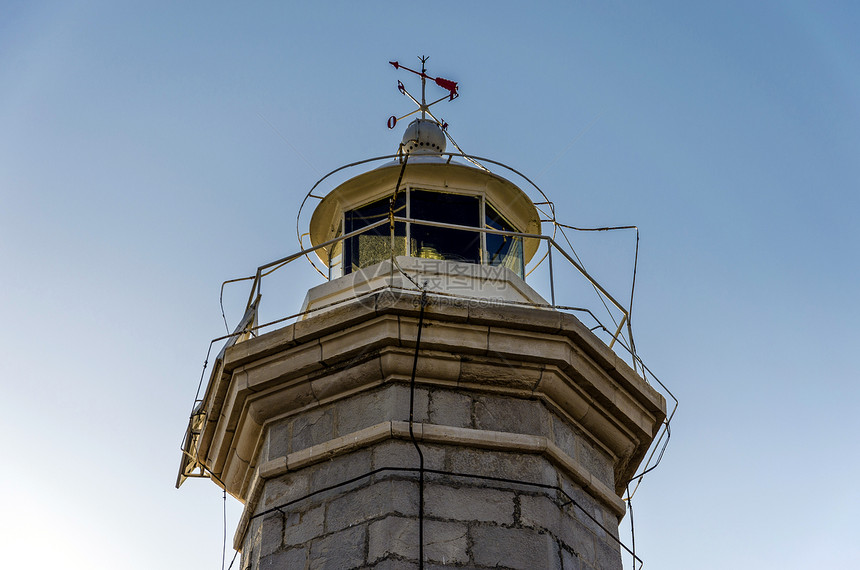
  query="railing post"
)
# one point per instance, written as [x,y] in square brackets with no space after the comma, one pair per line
[551,277]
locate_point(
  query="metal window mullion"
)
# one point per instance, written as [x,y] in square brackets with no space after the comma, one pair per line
[481,223]
[408,245]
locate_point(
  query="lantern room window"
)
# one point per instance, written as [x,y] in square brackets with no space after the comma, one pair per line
[374,245]
[434,242]
[502,250]
[431,241]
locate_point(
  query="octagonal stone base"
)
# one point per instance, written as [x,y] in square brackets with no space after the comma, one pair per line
[529,427]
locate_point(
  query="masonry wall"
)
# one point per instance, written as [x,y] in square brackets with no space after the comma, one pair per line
[529,425]
[373,521]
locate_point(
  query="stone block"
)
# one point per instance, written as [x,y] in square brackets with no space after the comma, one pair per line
[302,526]
[311,428]
[570,561]
[329,321]
[374,501]
[397,536]
[526,345]
[278,440]
[469,504]
[597,462]
[339,551]
[499,372]
[540,512]
[531,468]
[390,402]
[578,538]
[441,336]
[402,453]
[339,469]
[450,408]
[608,556]
[251,547]
[271,534]
[525,549]
[359,339]
[446,542]
[589,512]
[284,489]
[292,363]
[515,415]
[358,373]
[525,318]
[294,558]
[564,435]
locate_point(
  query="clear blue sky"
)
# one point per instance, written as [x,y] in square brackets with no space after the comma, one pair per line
[139,168]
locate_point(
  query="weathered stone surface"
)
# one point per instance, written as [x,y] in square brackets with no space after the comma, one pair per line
[499,372]
[450,408]
[499,413]
[446,542]
[373,334]
[524,549]
[303,525]
[540,512]
[278,440]
[596,461]
[285,488]
[390,402]
[578,538]
[469,504]
[339,551]
[293,558]
[608,555]
[339,469]
[528,467]
[565,435]
[271,534]
[438,335]
[381,498]
[400,453]
[311,428]
[569,560]
[587,510]
[393,536]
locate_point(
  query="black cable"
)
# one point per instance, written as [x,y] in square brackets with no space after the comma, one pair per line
[221,297]
[235,554]
[224,545]
[632,531]
[412,434]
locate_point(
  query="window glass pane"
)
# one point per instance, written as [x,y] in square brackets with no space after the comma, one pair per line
[373,245]
[445,243]
[506,251]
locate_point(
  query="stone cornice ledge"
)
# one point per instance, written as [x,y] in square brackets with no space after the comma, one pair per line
[427,433]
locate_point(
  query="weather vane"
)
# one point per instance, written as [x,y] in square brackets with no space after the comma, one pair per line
[423,106]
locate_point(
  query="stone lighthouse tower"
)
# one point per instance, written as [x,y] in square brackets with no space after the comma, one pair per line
[426,408]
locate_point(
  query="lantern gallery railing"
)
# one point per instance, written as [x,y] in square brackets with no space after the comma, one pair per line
[615,333]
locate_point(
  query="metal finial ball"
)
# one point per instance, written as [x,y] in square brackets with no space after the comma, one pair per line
[424,136]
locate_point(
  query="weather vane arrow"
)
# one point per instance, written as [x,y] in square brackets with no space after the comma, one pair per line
[451,86]
[423,106]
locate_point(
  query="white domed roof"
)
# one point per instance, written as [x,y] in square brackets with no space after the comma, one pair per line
[423,136]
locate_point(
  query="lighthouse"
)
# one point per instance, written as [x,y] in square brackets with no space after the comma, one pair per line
[425,407]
